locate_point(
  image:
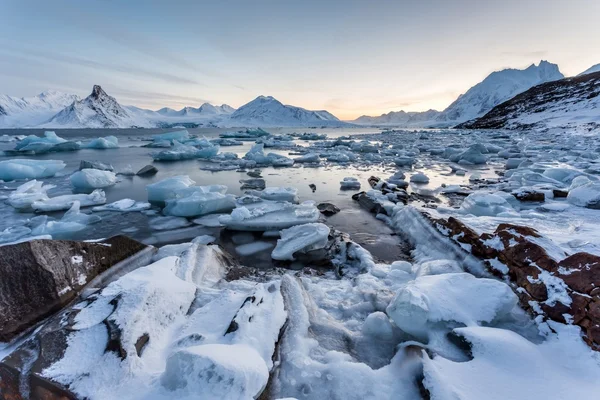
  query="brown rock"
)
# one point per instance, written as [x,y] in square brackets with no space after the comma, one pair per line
[39,277]
[529,195]
[584,273]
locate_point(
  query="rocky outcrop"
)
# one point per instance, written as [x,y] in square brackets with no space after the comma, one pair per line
[565,290]
[130,311]
[39,277]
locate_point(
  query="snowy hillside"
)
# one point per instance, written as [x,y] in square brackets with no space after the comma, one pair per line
[400,118]
[30,111]
[268,111]
[595,68]
[98,110]
[496,88]
[565,103]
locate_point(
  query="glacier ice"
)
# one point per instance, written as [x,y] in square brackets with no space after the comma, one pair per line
[199,200]
[124,205]
[23,168]
[300,238]
[27,193]
[179,151]
[277,194]
[257,154]
[176,135]
[102,143]
[266,215]
[66,201]
[449,298]
[349,183]
[72,222]
[87,179]
[165,189]
[485,204]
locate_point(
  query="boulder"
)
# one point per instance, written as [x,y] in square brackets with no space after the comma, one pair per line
[529,195]
[39,277]
[148,170]
[328,209]
[83,164]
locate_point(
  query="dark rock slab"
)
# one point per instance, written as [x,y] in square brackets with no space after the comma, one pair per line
[148,170]
[328,209]
[83,164]
[39,277]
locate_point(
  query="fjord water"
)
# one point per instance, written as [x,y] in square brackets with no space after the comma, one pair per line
[362,227]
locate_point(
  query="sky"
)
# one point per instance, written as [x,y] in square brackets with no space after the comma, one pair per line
[349,57]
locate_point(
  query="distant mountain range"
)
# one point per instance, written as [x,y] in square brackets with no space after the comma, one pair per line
[54,109]
[99,110]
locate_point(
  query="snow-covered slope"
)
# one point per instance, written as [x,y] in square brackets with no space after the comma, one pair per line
[565,103]
[30,111]
[98,110]
[400,118]
[267,111]
[595,68]
[496,88]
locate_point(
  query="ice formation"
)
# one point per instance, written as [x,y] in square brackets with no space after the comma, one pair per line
[165,189]
[22,168]
[350,183]
[102,143]
[66,201]
[27,193]
[300,238]
[199,200]
[88,179]
[267,215]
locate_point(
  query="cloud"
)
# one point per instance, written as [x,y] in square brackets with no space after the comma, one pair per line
[158,99]
[84,62]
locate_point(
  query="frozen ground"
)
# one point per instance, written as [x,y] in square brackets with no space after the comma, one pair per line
[396,312]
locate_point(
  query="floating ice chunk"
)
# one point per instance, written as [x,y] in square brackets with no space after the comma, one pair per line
[513,163]
[27,193]
[72,222]
[165,189]
[277,194]
[565,175]
[253,183]
[308,158]
[485,204]
[179,151]
[349,183]
[66,201]
[587,195]
[93,179]
[167,223]
[177,135]
[300,238]
[83,164]
[404,161]
[196,203]
[102,143]
[14,233]
[124,205]
[216,371]
[127,171]
[257,154]
[266,216]
[419,177]
[252,248]
[341,156]
[29,169]
[49,138]
[211,220]
[449,298]
[473,155]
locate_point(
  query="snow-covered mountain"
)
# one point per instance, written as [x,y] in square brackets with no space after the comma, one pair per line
[205,109]
[30,111]
[595,68]
[496,88]
[98,110]
[268,111]
[570,102]
[400,118]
